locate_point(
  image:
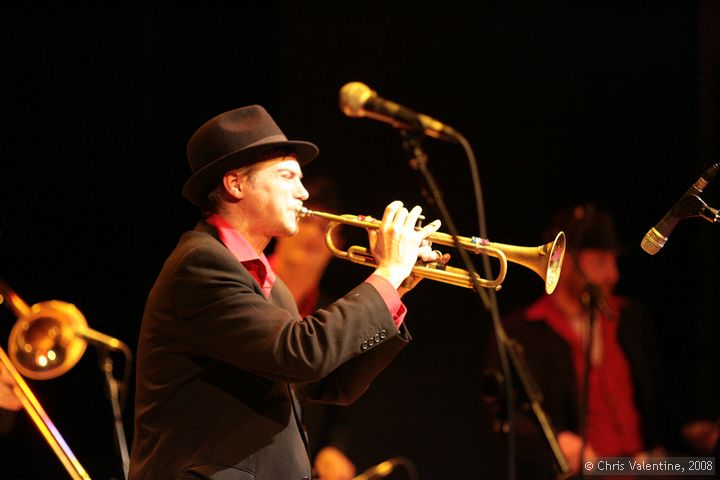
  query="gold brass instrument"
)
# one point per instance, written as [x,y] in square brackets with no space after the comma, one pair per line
[545,260]
[43,422]
[47,340]
[50,337]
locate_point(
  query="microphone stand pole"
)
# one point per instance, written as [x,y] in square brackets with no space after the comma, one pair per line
[507,349]
[534,399]
[116,390]
[113,390]
[591,303]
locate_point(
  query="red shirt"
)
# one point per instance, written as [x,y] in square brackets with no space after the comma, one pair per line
[613,421]
[259,267]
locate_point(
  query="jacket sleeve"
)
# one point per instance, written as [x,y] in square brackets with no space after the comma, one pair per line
[206,302]
[346,384]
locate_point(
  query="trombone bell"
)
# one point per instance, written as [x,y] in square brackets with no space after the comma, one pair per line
[45,344]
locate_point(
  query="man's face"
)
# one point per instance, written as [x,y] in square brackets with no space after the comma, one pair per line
[600,268]
[273,196]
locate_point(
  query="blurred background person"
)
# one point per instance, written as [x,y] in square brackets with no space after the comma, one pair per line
[593,355]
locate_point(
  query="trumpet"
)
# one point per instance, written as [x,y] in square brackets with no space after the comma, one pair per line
[545,260]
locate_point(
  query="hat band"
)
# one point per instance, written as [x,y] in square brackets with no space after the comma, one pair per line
[270,139]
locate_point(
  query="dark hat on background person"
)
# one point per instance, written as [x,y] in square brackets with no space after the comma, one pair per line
[231,140]
[586,226]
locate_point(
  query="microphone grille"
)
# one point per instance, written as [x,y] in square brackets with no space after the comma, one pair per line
[353,96]
[653,241]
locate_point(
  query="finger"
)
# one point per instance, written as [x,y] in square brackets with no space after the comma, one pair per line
[426,243]
[412,219]
[401,216]
[372,239]
[427,255]
[391,211]
[429,229]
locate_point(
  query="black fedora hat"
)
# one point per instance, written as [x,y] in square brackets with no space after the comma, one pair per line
[231,140]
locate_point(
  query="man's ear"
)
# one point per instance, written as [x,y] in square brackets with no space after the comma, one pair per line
[234,184]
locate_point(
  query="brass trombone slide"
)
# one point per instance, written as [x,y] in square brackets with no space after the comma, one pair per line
[545,260]
[43,422]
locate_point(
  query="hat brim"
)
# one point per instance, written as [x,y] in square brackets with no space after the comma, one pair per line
[199,185]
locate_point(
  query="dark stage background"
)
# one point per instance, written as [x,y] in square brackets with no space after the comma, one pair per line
[612,104]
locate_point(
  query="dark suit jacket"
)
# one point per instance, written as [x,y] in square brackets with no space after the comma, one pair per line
[218,364]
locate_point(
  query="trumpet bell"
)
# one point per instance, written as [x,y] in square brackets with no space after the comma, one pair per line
[554,267]
[545,260]
[44,343]
[551,268]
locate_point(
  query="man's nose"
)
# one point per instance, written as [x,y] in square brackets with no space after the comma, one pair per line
[301,192]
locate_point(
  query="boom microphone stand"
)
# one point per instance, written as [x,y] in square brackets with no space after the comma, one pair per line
[510,355]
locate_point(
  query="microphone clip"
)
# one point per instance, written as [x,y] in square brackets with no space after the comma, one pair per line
[691,206]
[709,213]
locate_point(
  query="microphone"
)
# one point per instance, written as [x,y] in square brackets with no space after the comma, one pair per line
[359,100]
[656,237]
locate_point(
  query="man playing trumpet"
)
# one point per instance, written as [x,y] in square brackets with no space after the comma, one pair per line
[223,351]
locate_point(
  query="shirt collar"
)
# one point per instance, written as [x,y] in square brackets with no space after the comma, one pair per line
[545,310]
[243,251]
[232,239]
